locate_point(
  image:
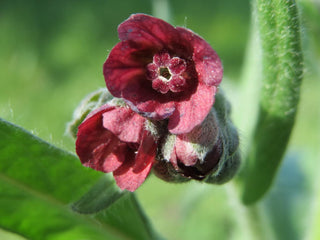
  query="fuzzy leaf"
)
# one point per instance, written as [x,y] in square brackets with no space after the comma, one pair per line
[282,74]
[104,193]
[37,183]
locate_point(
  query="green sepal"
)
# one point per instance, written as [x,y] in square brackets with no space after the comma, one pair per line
[89,103]
[230,160]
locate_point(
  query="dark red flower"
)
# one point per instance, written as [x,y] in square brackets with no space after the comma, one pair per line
[163,72]
[114,139]
[195,154]
[209,153]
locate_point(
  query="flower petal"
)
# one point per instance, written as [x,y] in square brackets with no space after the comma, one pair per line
[124,68]
[134,172]
[94,142]
[124,123]
[161,59]
[207,62]
[153,108]
[103,158]
[177,65]
[149,31]
[160,85]
[191,112]
[177,84]
[115,159]
[184,151]
[130,82]
[126,78]
[152,71]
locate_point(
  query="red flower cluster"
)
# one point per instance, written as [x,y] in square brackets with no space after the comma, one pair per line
[166,75]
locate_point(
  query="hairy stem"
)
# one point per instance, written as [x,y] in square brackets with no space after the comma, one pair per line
[252,220]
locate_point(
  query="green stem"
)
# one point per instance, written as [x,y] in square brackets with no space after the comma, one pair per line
[260,227]
[252,220]
[282,74]
[151,232]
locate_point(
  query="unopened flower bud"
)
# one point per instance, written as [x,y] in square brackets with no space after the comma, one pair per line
[92,101]
[230,160]
[208,153]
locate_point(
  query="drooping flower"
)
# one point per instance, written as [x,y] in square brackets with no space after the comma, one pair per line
[163,72]
[208,153]
[114,139]
[192,155]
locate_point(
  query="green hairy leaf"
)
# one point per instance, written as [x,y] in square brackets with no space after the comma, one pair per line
[39,181]
[100,196]
[282,74]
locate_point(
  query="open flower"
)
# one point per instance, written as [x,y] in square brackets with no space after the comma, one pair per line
[163,72]
[114,139]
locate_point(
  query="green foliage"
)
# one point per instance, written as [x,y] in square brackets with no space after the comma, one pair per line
[104,193]
[282,61]
[37,183]
[51,57]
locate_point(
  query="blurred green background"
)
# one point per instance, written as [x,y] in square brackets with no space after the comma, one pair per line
[51,56]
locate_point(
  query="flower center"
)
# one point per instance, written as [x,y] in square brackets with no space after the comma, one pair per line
[167,73]
[164,72]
